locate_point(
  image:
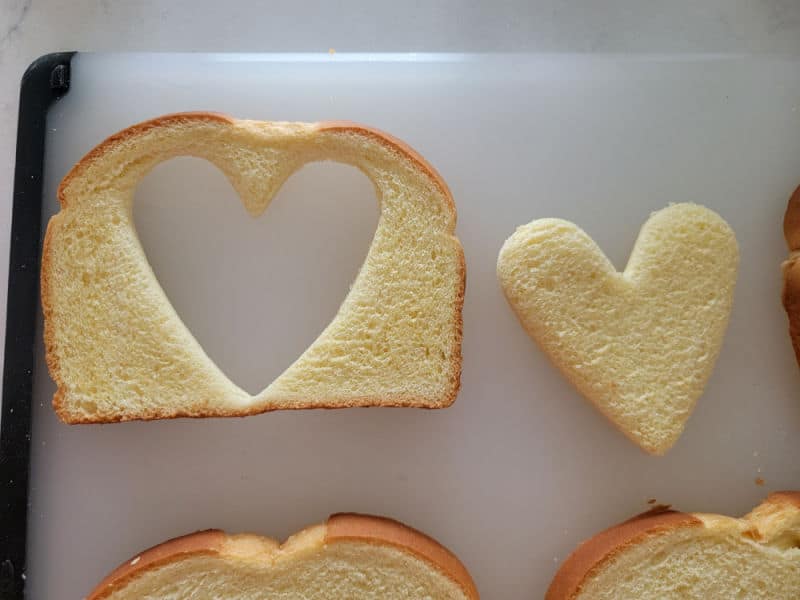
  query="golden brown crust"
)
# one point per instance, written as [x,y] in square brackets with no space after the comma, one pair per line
[456,361]
[399,401]
[791,270]
[787,497]
[339,527]
[338,126]
[131,132]
[791,222]
[380,530]
[50,355]
[592,554]
[791,302]
[195,544]
[398,146]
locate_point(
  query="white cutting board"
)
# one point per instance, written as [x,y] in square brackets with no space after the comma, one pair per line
[521,468]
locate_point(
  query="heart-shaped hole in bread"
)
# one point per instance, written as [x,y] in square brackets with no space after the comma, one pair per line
[239,281]
[117,348]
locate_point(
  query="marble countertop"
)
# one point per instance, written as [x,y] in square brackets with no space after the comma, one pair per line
[30,28]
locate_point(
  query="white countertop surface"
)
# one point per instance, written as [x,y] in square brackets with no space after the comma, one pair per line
[30,28]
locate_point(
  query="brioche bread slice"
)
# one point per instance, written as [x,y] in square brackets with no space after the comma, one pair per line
[116,347]
[791,270]
[351,556]
[665,555]
[640,344]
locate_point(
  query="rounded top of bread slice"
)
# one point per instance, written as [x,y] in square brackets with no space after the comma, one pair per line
[655,555]
[355,556]
[113,142]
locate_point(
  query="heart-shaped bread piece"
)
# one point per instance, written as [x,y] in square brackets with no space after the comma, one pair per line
[351,556]
[116,347]
[667,555]
[640,344]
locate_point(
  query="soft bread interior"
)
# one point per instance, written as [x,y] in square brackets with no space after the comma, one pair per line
[118,350]
[640,344]
[685,564]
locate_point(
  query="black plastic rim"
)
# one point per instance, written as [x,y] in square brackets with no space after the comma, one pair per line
[46,80]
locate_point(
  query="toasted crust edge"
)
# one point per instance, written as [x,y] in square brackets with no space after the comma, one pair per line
[130,132]
[789,497]
[595,552]
[209,542]
[381,530]
[356,402]
[405,401]
[791,221]
[790,295]
[338,528]
[50,357]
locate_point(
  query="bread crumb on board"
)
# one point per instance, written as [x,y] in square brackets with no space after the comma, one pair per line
[760,481]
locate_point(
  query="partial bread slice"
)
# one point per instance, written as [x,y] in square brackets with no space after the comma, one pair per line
[118,350]
[640,344]
[351,556]
[791,270]
[664,555]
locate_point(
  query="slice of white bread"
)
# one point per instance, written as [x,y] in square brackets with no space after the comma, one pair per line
[640,344]
[791,270]
[116,347]
[665,555]
[351,556]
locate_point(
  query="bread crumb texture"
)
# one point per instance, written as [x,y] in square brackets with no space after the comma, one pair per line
[118,350]
[640,344]
[701,557]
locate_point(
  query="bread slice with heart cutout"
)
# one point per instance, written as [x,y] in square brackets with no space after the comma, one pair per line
[666,555]
[640,344]
[116,347]
[350,556]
